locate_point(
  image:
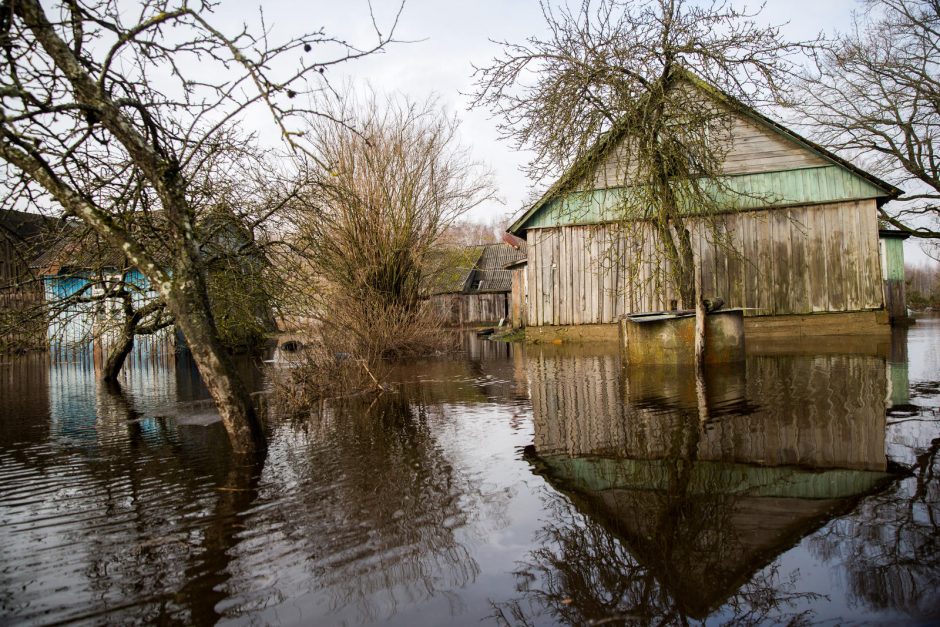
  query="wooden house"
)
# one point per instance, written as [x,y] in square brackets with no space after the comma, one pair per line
[474,285]
[802,224]
[78,269]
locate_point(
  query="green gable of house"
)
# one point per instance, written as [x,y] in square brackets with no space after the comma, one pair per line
[830,179]
[763,190]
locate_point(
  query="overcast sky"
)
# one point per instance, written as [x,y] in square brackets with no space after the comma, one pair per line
[451,36]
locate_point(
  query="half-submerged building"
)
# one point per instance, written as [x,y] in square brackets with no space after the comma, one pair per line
[802,224]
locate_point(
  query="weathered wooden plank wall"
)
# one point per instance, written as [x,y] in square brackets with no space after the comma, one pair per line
[464,309]
[751,148]
[517,305]
[798,260]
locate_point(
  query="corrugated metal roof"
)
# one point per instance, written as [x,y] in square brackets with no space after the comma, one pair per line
[474,269]
[490,274]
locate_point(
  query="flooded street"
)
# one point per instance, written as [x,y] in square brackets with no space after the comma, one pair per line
[520,485]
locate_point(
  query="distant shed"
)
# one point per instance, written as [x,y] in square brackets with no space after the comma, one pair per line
[474,286]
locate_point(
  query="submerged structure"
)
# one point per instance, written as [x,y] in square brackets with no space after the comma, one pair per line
[800,246]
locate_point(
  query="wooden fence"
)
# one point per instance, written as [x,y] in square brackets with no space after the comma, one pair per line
[459,310]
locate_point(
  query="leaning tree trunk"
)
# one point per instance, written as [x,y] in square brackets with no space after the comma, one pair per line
[677,245]
[117,355]
[125,343]
[687,266]
[190,307]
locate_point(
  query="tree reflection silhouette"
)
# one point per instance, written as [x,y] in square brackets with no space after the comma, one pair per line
[369,512]
[890,546]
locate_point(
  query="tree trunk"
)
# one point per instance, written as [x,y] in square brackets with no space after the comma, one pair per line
[678,247]
[117,355]
[190,307]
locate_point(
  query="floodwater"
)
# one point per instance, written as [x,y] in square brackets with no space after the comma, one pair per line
[520,485]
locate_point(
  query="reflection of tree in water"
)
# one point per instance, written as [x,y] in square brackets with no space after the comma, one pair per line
[667,540]
[359,510]
[172,566]
[890,546]
[584,573]
[370,507]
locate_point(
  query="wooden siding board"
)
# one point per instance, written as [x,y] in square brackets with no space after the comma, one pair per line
[850,249]
[765,286]
[562,272]
[817,267]
[870,246]
[835,260]
[797,266]
[780,238]
[532,270]
[750,263]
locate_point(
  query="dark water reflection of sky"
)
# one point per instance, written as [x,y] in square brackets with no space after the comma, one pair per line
[512,485]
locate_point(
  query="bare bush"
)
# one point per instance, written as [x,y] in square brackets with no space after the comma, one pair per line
[317,372]
[366,227]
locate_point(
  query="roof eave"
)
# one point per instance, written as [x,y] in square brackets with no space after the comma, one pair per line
[891,192]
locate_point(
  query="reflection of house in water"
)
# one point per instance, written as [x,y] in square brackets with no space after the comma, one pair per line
[704,505]
[162,388]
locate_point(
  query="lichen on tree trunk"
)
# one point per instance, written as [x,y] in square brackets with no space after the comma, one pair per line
[190,307]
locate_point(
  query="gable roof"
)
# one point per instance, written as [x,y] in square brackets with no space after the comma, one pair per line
[475,269]
[612,138]
[490,274]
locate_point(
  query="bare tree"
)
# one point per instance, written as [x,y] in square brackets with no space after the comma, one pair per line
[108,110]
[875,92]
[619,71]
[394,186]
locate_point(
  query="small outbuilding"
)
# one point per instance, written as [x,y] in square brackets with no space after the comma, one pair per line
[892,271]
[474,286]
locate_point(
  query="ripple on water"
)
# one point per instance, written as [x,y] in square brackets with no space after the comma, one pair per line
[429,505]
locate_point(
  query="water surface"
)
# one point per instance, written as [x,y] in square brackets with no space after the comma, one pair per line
[532,485]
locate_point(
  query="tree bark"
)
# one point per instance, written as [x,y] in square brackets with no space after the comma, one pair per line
[190,308]
[117,355]
[700,344]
